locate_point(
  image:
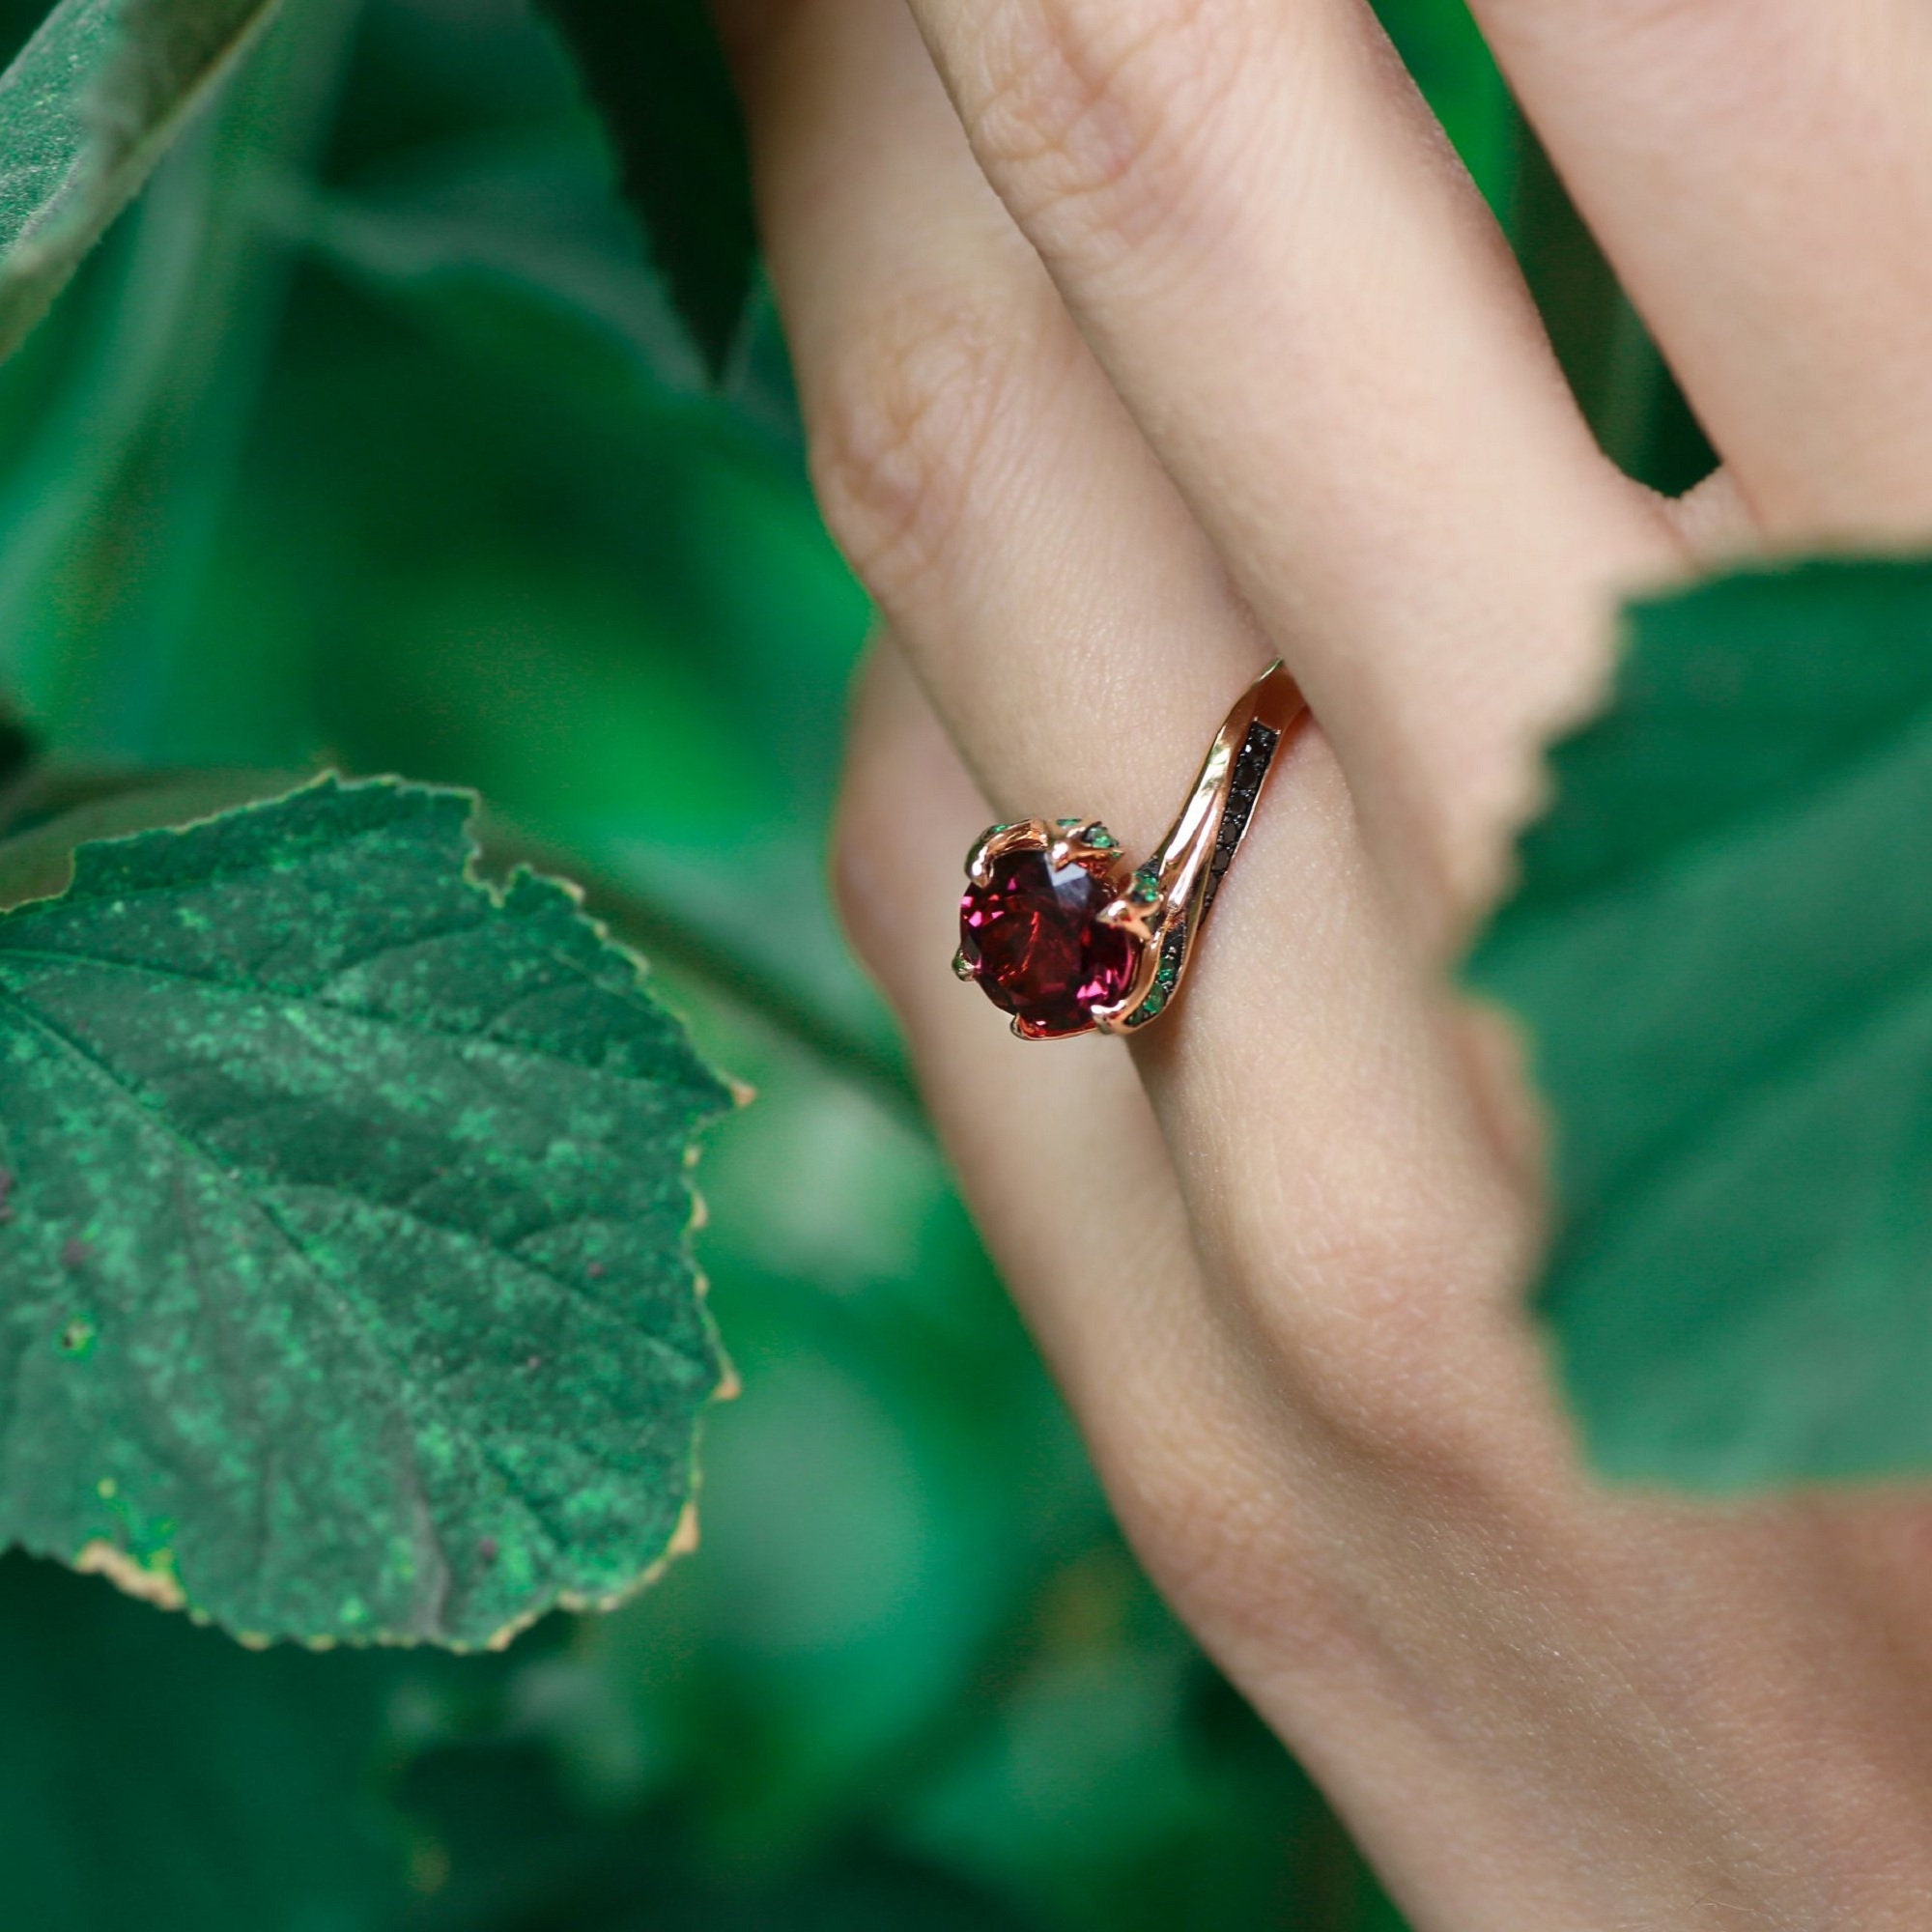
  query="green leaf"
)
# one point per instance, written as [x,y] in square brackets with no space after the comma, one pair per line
[86,111]
[1722,949]
[657,76]
[114,505]
[346,1290]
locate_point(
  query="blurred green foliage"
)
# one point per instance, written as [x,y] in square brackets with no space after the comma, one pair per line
[657,74]
[370,435]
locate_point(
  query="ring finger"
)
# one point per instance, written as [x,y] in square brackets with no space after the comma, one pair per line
[1081,642]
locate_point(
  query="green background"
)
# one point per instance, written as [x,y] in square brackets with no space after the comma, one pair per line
[368,438]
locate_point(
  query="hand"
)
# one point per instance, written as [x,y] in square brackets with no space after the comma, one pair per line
[1193,347]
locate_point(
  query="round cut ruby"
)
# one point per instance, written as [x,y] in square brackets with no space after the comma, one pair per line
[1033,937]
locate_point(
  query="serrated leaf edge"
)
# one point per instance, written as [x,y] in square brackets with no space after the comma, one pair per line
[159,1586]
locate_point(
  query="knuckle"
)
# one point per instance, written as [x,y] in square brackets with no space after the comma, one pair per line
[1389,1375]
[1388,1410]
[896,434]
[1093,116]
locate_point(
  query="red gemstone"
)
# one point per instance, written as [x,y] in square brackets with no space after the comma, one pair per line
[1034,939]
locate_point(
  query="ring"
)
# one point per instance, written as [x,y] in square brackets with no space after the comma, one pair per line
[1062,931]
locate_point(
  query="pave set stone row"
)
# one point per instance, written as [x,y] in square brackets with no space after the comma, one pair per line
[1251,769]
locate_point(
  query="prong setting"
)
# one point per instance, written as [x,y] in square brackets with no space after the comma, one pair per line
[1129,915]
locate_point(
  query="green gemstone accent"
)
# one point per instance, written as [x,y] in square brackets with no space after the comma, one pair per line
[1145,888]
[1166,975]
[1102,839]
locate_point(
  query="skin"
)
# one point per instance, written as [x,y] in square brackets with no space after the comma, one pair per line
[1140,340]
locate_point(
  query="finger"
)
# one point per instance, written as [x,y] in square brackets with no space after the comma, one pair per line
[1308,310]
[1072,684]
[1226,1481]
[1070,618]
[1761,177]
[1057,1153]
[1094,1265]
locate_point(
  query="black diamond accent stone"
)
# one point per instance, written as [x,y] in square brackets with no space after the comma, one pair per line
[1251,767]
